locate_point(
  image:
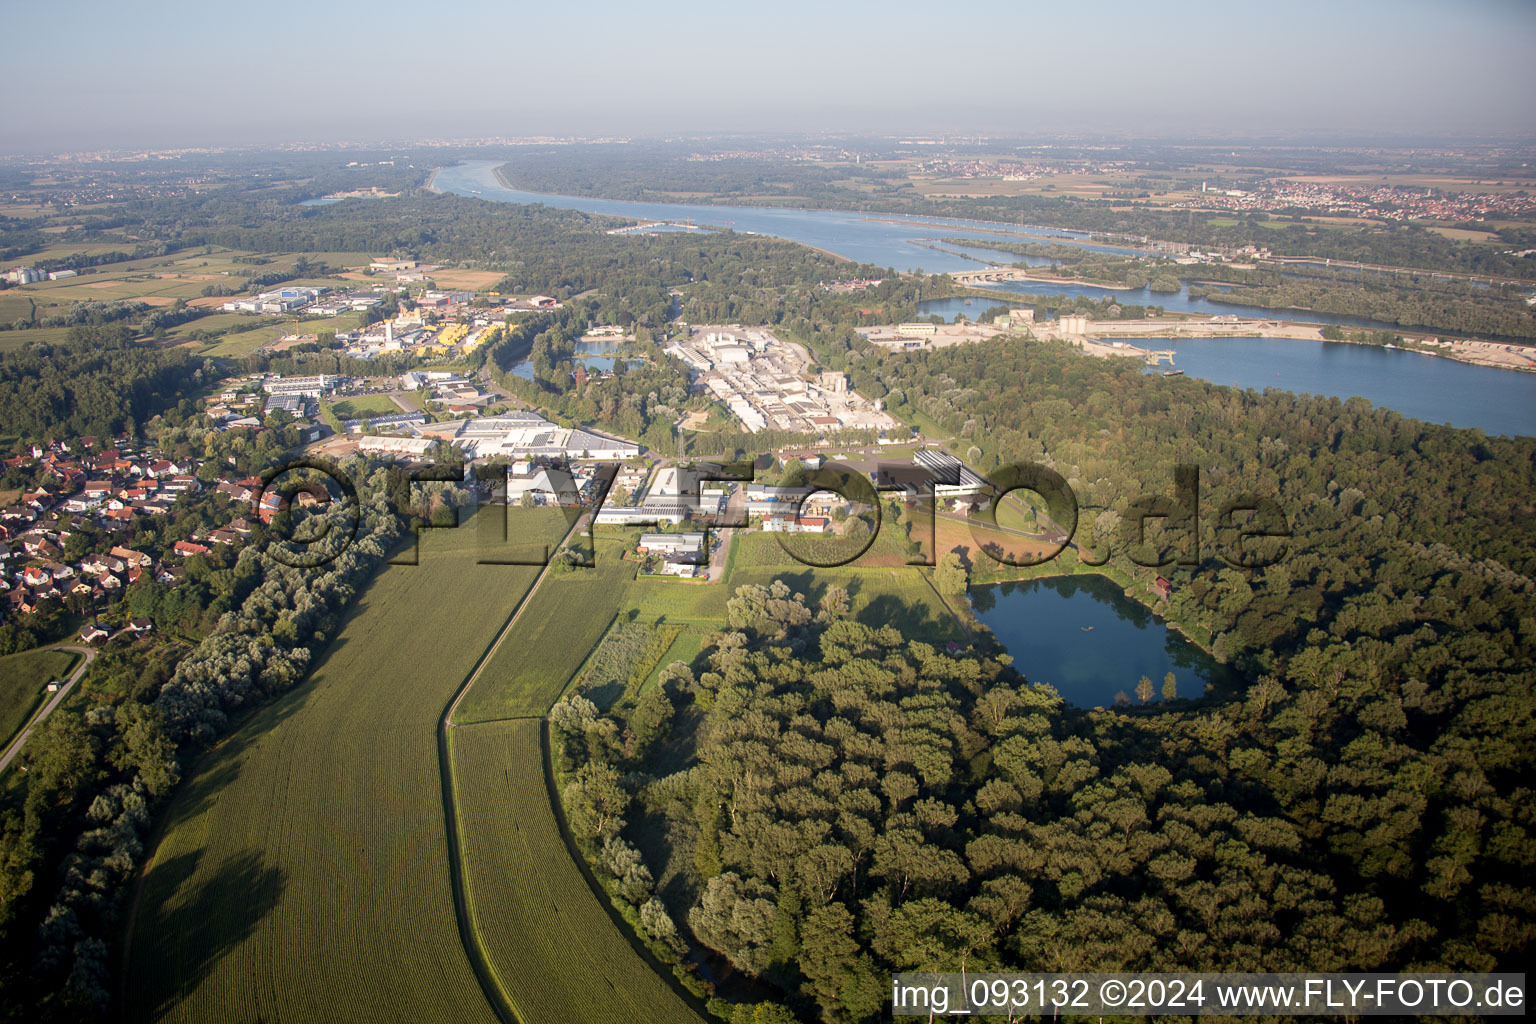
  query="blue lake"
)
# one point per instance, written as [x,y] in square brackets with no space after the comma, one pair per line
[1084,637]
[1430,388]
[594,355]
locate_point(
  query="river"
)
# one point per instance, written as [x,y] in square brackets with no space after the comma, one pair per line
[881,239]
[1435,389]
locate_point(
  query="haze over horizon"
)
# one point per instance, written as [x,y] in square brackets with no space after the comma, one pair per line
[197,74]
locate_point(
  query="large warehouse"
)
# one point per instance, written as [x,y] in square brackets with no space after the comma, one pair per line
[525,434]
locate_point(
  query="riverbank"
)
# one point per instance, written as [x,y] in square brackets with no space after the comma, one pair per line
[1485,354]
[1497,355]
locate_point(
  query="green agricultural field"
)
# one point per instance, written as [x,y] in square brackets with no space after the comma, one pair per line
[59,250]
[239,345]
[145,284]
[10,341]
[14,307]
[22,678]
[364,405]
[214,322]
[550,943]
[663,598]
[342,259]
[757,550]
[303,873]
[563,621]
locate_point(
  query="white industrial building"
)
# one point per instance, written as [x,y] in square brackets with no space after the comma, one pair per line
[310,387]
[283,300]
[640,515]
[524,434]
[671,544]
[417,447]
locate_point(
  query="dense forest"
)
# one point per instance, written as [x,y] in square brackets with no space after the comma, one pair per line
[96,383]
[840,801]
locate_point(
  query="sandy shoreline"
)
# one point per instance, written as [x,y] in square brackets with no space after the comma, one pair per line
[1099,342]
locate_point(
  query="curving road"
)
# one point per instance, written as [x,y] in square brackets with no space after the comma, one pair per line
[57,699]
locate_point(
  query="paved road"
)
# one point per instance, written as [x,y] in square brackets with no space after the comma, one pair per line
[57,699]
[405,404]
[721,554]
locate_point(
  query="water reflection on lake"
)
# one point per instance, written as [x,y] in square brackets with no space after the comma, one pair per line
[1084,637]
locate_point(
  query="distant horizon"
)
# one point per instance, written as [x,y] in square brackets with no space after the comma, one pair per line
[951,140]
[192,76]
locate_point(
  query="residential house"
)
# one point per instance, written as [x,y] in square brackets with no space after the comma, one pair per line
[93,634]
[679,565]
[131,557]
[95,565]
[235,491]
[38,545]
[787,522]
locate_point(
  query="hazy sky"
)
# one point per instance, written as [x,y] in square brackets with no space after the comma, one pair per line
[94,73]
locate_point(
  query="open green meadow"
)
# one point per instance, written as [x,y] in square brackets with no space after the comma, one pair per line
[550,943]
[756,549]
[237,346]
[303,872]
[364,405]
[22,678]
[553,635]
[684,648]
[667,599]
